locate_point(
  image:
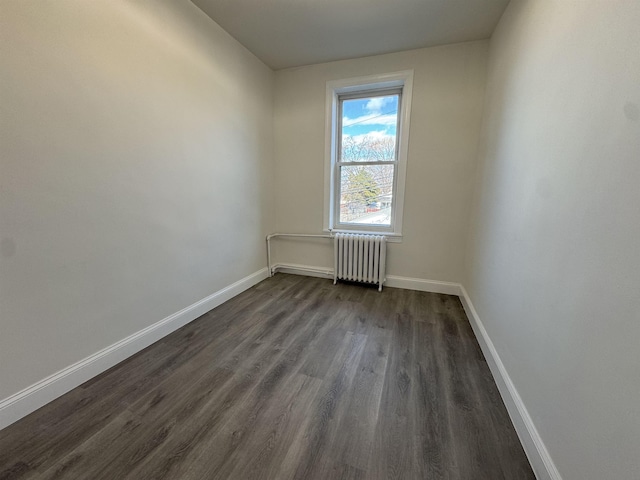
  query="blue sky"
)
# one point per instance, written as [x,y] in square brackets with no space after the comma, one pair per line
[370,116]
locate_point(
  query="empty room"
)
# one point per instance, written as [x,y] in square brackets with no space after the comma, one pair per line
[317,240]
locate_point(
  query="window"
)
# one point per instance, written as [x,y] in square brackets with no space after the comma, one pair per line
[366,153]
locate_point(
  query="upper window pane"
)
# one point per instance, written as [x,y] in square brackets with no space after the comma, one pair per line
[368,130]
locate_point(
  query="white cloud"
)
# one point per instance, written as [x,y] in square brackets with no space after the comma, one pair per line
[375,104]
[371,119]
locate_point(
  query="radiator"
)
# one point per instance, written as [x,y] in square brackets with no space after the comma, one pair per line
[360,258]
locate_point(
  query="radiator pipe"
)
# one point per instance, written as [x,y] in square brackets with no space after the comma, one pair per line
[273,235]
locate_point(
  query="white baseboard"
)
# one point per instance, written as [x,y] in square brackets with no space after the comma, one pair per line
[541,462]
[39,394]
[408,283]
[433,286]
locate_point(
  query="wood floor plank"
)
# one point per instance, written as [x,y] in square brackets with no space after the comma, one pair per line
[97,452]
[294,378]
[361,415]
[304,459]
[187,432]
[266,448]
[433,454]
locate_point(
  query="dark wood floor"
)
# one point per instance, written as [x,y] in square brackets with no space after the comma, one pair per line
[294,378]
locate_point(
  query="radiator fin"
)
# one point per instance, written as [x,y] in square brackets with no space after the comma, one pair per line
[360,258]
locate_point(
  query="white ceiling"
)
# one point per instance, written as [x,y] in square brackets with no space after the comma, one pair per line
[289,33]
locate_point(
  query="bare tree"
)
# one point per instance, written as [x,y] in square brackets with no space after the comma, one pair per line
[368,149]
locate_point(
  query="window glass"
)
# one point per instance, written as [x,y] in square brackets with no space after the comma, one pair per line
[368,138]
[368,129]
[366,194]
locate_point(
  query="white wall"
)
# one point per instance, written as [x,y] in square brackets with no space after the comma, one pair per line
[135,170]
[554,251]
[136,178]
[446,112]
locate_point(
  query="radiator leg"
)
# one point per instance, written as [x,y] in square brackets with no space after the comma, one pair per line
[335,260]
[383,262]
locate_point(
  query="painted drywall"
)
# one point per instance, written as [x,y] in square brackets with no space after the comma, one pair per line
[448,92]
[135,171]
[554,253]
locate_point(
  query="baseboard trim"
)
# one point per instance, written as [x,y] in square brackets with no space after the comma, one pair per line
[40,393]
[433,286]
[408,283]
[541,462]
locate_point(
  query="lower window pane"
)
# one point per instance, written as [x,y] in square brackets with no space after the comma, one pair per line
[366,194]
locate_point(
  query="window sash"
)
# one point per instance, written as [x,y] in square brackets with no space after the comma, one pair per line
[337,164]
[371,93]
[337,200]
[367,94]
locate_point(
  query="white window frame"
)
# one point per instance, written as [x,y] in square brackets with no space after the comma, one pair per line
[335,88]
